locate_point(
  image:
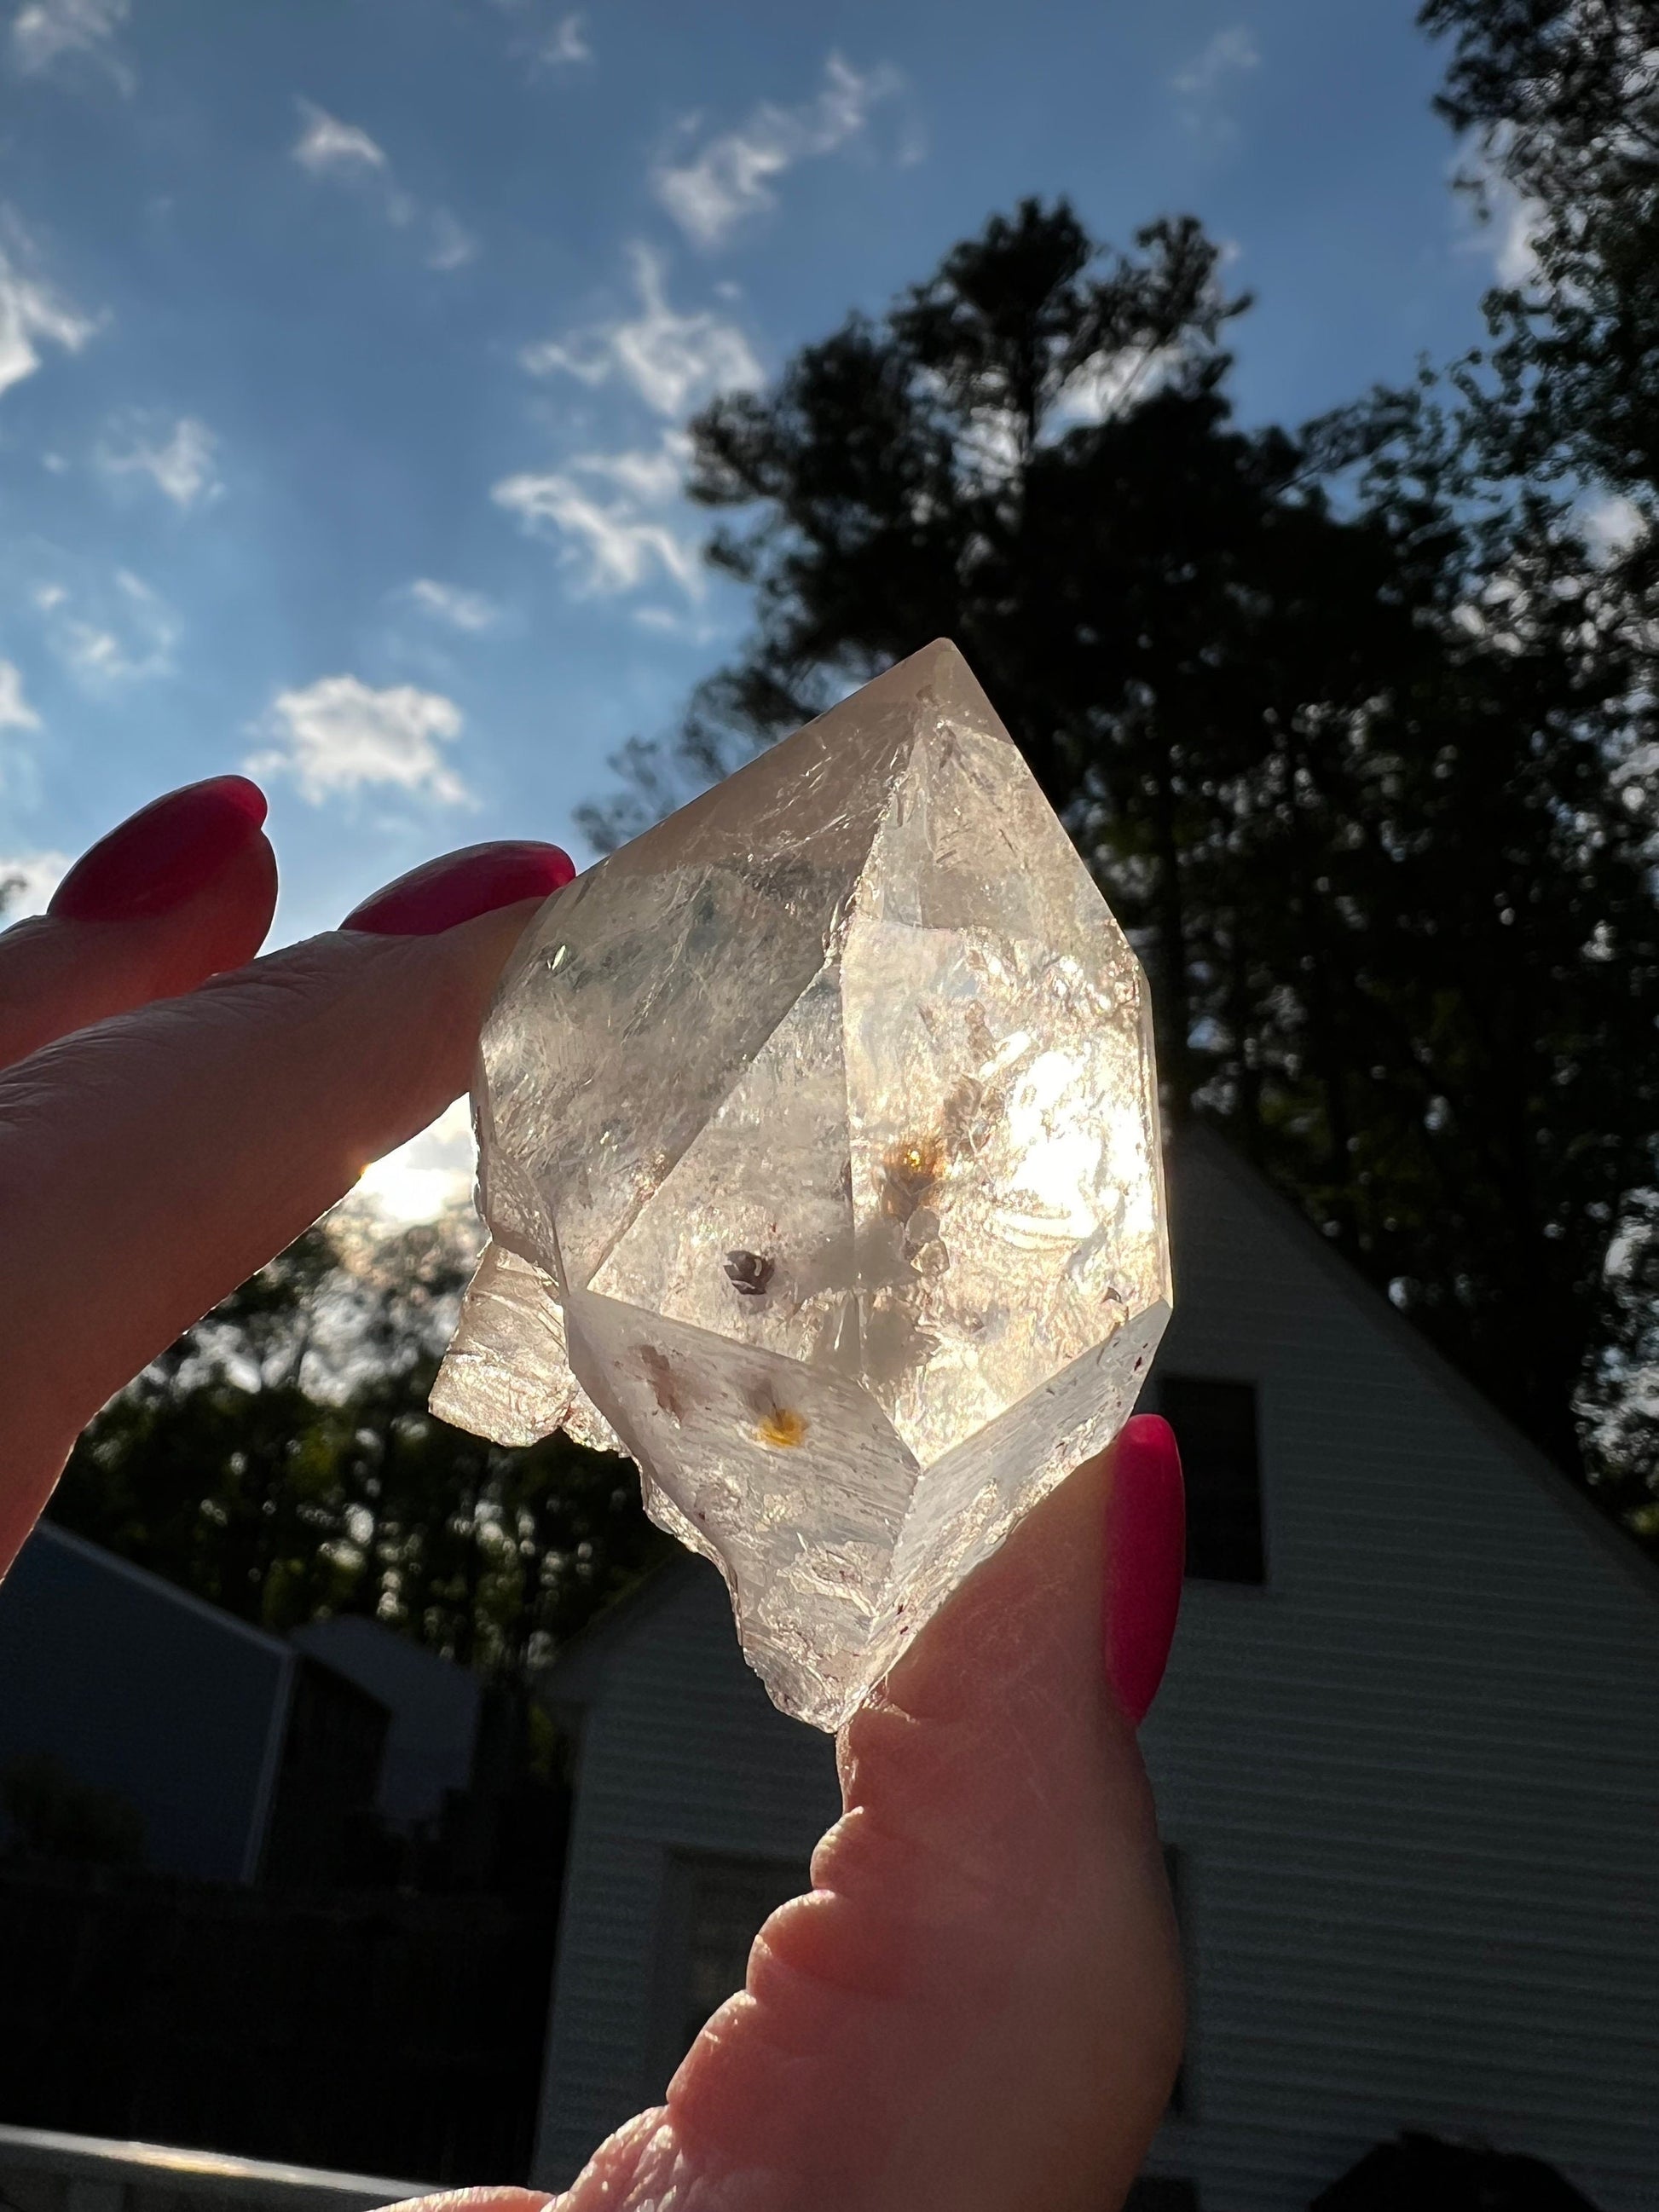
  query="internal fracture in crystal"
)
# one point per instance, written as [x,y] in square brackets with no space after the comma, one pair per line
[819,1151]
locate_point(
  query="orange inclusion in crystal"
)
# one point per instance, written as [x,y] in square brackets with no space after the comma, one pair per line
[782,1427]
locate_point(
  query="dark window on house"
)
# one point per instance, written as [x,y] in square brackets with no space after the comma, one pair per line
[1215,1425]
[1174,1872]
[713,1908]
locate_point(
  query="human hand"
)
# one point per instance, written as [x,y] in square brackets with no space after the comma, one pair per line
[978,2006]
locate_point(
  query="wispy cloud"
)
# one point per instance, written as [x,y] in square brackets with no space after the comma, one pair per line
[451,245]
[28,881]
[618,516]
[670,360]
[340,735]
[1496,222]
[1201,85]
[110,637]
[731,177]
[326,147]
[31,313]
[15,712]
[47,34]
[451,603]
[550,38]
[179,462]
[565,46]
[612,516]
[335,152]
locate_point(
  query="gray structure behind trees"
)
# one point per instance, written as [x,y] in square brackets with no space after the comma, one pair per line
[136,1689]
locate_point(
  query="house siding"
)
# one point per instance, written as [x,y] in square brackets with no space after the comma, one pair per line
[681,1751]
[1414,1779]
[1416,1776]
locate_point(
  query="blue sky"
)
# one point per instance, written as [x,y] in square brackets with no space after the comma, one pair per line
[345,345]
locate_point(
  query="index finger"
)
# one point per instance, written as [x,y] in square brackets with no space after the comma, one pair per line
[150,1163]
[180,890]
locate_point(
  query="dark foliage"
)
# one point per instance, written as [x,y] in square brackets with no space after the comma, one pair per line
[1342,724]
[280,1460]
[1421,2174]
[1562,99]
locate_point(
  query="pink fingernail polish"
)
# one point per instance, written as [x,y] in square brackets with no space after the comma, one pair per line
[1145,1558]
[461,886]
[161,856]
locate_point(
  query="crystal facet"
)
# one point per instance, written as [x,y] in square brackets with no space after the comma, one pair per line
[819,1146]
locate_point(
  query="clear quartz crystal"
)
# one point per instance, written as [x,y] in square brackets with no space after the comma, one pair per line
[818,1146]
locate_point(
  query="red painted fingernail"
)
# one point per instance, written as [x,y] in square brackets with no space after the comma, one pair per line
[1145,1558]
[461,886]
[158,858]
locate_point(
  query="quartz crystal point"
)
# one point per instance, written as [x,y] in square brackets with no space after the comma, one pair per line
[818,1146]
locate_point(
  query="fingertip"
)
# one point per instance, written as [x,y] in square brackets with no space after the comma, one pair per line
[242,795]
[460,887]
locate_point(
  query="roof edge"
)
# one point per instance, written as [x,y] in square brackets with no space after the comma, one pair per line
[158,1585]
[1208,1143]
[570,1677]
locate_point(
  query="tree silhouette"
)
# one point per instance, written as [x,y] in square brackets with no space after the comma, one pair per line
[280,1460]
[1341,724]
[1562,99]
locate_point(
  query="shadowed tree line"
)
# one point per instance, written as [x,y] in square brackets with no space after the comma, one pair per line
[280,1460]
[1354,722]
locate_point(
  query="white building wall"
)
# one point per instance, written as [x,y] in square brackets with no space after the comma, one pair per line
[1415,1781]
[682,1751]
[1415,1778]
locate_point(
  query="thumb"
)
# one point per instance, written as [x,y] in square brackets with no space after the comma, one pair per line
[149,1163]
[979,2004]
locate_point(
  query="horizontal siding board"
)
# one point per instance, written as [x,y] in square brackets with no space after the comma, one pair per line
[1414,1779]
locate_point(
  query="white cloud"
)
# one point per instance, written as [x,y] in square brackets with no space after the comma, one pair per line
[1202,84]
[45,33]
[426,1177]
[452,245]
[618,516]
[1612,525]
[731,177]
[671,361]
[611,515]
[110,637]
[328,147]
[180,463]
[1497,222]
[565,46]
[550,40]
[340,735]
[15,712]
[333,152]
[32,314]
[28,881]
[449,603]
[1108,388]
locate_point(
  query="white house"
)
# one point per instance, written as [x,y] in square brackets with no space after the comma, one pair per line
[1406,1757]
